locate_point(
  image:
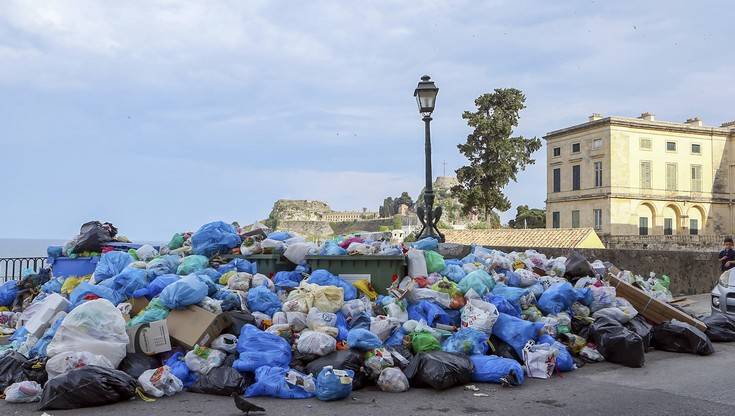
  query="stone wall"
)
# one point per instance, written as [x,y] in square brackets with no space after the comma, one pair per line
[702,243]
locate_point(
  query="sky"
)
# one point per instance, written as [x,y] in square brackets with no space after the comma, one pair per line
[160,116]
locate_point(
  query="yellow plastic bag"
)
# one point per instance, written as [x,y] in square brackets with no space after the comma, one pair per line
[226,277]
[365,287]
[328,298]
[72,282]
[299,300]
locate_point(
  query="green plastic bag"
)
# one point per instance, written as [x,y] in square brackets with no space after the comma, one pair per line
[154,311]
[446,286]
[479,281]
[177,241]
[434,261]
[423,341]
[192,264]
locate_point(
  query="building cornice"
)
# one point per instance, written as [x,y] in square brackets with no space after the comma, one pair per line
[640,124]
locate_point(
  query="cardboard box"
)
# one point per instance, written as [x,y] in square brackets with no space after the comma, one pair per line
[138,305]
[149,338]
[47,309]
[195,326]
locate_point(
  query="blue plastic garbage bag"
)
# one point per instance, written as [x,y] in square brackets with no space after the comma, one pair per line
[156,285]
[271,382]
[240,265]
[453,272]
[53,285]
[179,368]
[511,294]
[261,299]
[20,335]
[284,279]
[331,248]
[584,296]
[186,291]
[479,281]
[454,317]
[494,369]
[558,297]
[279,235]
[503,305]
[230,300]
[211,273]
[8,292]
[396,338]
[330,386]
[428,311]
[259,348]
[215,238]
[76,297]
[466,341]
[361,320]
[564,360]
[537,289]
[212,287]
[163,265]
[192,264]
[426,243]
[54,251]
[341,325]
[39,350]
[516,332]
[511,278]
[363,340]
[129,280]
[322,277]
[111,264]
[454,262]
[470,258]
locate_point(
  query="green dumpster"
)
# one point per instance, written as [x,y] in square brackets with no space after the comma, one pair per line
[377,269]
[269,264]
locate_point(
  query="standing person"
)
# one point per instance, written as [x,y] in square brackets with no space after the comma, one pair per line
[727,255]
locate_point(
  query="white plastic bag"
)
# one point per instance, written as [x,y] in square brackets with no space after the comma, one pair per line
[480,315]
[382,326]
[353,308]
[317,343]
[416,263]
[23,392]
[225,342]
[95,326]
[261,279]
[539,360]
[296,253]
[377,360]
[393,380]
[602,297]
[279,318]
[317,319]
[146,252]
[63,363]
[202,360]
[418,294]
[296,320]
[395,311]
[240,281]
[160,382]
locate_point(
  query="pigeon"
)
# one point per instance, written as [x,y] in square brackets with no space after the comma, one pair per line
[245,405]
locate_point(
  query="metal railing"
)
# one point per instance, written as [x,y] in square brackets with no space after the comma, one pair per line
[12,267]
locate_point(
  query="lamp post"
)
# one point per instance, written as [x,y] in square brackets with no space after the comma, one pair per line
[425,94]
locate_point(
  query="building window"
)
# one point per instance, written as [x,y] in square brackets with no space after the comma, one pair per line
[557,180]
[575,148]
[575,219]
[575,178]
[693,226]
[646,144]
[671,176]
[555,219]
[596,144]
[671,146]
[598,218]
[642,225]
[668,226]
[696,178]
[696,149]
[557,151]
[598,174]
[646,174]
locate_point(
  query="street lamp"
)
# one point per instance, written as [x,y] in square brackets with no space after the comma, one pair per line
[425,94]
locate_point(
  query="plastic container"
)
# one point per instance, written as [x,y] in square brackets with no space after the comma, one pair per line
[66,266]
[377,269]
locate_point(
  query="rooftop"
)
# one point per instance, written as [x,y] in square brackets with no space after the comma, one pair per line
[531,238]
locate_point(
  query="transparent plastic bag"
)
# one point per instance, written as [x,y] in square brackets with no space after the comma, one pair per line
[393,380]
[160,382]
[202,359]
[23,392]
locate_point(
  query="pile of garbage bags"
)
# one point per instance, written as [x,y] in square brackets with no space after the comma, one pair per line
[488,317]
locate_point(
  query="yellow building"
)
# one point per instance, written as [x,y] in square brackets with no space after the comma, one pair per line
[625,176]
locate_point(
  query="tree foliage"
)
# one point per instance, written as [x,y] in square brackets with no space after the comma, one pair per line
[528,218]
[391,205]
[495,156]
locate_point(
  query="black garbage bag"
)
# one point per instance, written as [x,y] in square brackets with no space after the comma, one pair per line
[720,328]
[239,319]
[221,381]
[92,236]
[86,387]
[134,364]
[14,367]
[502,349]
[581,326]
[675,336]
[439,370]
[399,351]
[640,326]
[342,360]
[300,360]
[230,359]
[618,344]
[577,266]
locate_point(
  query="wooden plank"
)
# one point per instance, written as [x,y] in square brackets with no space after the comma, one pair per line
[652,309]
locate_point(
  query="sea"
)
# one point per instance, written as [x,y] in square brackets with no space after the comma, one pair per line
[27,247]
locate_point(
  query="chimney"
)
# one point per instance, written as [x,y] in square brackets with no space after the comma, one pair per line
[647,116]
[595,116]
[728,124]
[695,121]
